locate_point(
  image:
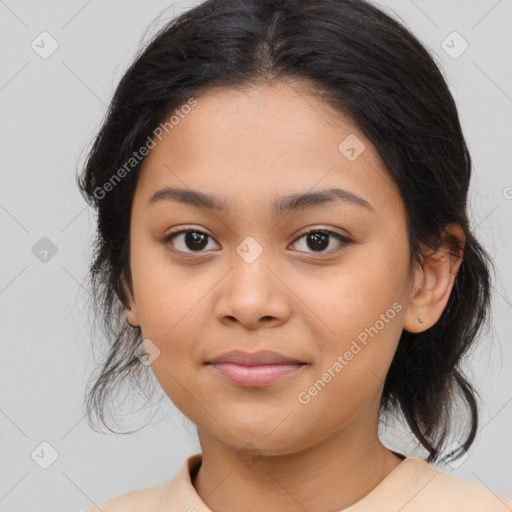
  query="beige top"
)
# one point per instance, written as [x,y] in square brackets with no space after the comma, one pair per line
[413,486]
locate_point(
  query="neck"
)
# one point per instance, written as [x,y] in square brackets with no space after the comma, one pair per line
[333,474]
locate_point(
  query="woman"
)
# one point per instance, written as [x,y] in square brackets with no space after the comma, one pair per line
[281,191]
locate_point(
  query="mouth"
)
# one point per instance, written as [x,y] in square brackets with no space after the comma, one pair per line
[255,369]
[255,375]
[259,358]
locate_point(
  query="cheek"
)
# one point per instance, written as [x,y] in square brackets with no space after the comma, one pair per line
[359,316]
[172,302]
[348,298]
[164,292]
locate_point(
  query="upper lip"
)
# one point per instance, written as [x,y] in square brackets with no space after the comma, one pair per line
[254,358]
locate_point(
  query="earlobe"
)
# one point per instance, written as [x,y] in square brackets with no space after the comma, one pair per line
[413,320]
[132,316]
[434,281]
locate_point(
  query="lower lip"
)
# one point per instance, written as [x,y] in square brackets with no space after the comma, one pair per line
[255,376]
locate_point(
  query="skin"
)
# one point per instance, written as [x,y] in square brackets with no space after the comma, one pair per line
[249,147]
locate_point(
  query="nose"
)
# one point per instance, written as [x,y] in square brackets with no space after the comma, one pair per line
[253,295]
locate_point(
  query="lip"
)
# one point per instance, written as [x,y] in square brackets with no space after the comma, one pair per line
[259,358]
[255,375]
[254,369]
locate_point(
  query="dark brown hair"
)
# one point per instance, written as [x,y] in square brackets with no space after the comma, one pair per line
[369,67]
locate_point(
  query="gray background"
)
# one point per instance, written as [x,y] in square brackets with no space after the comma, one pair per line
[50,109]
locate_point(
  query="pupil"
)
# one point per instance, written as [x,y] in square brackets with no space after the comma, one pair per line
[318,237]
[194,238]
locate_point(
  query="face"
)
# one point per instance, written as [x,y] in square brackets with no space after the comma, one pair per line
[250,277]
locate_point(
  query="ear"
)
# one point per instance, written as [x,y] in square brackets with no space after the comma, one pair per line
[433,281]
[132,316]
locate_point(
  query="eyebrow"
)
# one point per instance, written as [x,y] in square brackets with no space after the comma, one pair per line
[280,206]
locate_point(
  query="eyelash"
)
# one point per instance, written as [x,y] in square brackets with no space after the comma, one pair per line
[340,238]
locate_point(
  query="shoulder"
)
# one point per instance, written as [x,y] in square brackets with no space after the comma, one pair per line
[166,495]
[449,492]
[147,499]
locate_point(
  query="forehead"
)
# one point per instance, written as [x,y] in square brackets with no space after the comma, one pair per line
[262,142]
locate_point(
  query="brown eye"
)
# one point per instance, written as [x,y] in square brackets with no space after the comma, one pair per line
[188,240]
[315,241]
[318,240]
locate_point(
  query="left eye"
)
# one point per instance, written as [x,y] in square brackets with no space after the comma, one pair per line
[195,241]
[319,239]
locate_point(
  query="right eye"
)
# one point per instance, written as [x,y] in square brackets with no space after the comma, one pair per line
[192,239]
